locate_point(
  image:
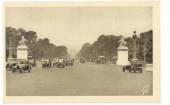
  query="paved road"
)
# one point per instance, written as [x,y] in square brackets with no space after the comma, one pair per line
[81,79]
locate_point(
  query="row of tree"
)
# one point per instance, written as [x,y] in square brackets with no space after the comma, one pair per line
[38,48]
[106,45]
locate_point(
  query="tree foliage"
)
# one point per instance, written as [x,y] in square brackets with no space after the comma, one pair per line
[106,45]
[39,48]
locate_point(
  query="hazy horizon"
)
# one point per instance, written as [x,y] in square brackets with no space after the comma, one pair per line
[74,26]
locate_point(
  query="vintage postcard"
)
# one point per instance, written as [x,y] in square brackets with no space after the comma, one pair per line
[81,52]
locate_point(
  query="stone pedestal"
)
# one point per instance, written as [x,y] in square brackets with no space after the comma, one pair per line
[22,50]
[10,58]
[148,67]
[122,55]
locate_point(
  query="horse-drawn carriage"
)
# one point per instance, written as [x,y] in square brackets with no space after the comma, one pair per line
[135,66]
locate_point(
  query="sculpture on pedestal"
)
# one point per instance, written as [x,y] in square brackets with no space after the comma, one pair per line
[122,53]
[22,49]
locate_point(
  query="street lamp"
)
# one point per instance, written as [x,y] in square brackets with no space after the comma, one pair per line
[144,51]
[134,37]
[11,46]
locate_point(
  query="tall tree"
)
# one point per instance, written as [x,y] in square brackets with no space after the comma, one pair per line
[107,45]
[40,48]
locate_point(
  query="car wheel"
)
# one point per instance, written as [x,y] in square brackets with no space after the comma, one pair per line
[141,71]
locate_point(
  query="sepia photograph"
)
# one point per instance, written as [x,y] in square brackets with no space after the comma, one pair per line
[76,49]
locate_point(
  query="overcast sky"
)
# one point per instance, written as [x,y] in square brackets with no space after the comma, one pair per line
[73,26]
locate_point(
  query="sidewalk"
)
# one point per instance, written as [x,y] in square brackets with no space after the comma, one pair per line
[148,67]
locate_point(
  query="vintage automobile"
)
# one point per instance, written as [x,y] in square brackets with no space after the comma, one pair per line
[61,63]
[65,61]
[83,60]
[46,63]
[55,62]
[135,66]
[70,61]
[101,60]
[11,65]
[22,66]
[8,64]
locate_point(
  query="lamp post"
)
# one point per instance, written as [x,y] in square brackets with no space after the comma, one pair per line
[10,48]
[144,52]
[134,37]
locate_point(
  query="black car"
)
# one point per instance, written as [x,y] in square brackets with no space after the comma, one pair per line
[10,66]
[46,63]
[55,62]
[22,66]
[61,63]
[83,60]
[135,66]
[101,60]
